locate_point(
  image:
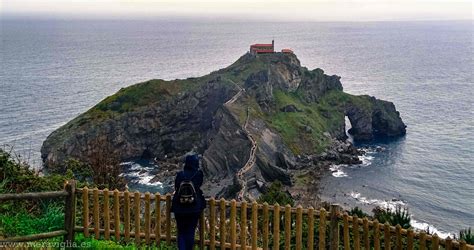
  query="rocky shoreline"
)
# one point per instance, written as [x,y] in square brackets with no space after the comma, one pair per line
[311,168]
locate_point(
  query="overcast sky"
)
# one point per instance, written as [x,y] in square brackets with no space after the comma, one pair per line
[298,10]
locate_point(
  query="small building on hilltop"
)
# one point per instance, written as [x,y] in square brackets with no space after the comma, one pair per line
[262,48]
[287,51]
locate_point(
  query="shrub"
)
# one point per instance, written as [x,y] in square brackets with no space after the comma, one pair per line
[398,217]
[467,236]
[16,176]
[357,211]
[276,194]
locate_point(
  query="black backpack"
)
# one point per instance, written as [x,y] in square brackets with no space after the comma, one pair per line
[187,192]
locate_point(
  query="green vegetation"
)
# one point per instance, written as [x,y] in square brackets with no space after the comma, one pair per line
[23,222]
[467,235]
[311,120]
[91,243]
[276,194]
[27,217]
[398,217]
[16,176]
[239,71]
[357,211]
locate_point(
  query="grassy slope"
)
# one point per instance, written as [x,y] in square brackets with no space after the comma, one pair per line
[292,126]
[324,116]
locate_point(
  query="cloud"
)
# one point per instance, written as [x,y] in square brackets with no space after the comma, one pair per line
[302,10]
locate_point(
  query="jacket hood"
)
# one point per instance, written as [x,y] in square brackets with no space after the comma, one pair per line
[191,162]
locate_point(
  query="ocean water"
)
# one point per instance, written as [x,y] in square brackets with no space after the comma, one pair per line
[53,70]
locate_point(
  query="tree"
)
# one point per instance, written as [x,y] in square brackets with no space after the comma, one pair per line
[104,162]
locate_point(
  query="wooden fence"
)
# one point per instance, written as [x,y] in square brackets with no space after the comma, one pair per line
[146,219]
[69,193]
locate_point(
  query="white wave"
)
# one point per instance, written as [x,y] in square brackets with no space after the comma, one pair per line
[336,171]
[366,160]
[424,226]
[125,163]
[392,205]
[140,174]
[146,180]
[388,204]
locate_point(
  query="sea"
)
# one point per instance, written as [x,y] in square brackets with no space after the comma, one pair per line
[52,70]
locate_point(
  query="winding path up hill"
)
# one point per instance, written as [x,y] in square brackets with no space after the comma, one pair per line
[265,106]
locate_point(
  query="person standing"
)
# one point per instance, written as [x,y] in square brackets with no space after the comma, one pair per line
[188,201]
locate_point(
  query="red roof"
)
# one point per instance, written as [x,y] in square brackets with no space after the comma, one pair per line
[287,51]
[261,45]
[263,50]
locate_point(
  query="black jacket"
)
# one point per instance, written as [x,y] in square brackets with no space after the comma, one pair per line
[191,168]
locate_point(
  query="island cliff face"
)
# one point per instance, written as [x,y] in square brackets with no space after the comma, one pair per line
[255,121]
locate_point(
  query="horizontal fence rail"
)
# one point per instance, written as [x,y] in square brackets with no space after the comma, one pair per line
[69,194]
[145,219]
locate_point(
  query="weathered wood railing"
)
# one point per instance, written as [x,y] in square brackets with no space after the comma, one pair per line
[146,219]
[69,193]
[231,224]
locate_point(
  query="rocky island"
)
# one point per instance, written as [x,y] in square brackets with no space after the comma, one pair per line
[261,119]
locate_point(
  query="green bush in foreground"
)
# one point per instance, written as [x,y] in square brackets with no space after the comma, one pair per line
[398,217]
[467,235]
[357,211]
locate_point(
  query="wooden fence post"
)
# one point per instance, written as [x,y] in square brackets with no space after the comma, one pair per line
[398,237]
[462,245]
[276,226]
[116,215]
[410,235]
[243,225]
[212,224]
[126,212]
[233,233]
[346,232]
[387,237]
[158,219]
[365,226]
[222,233]
[449,243]
[355,232]
[322,228]
[376,235]
[168,219]
[70,211]
[287,227]
[435,242]
[334,227]
[299,227]
[147,218]
[137,203]
[310,228]
[422,240]
[254,225]
[96,214]
[106,213]
[85,211]
[265,226]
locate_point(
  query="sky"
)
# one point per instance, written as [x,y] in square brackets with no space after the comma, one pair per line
[297,10]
